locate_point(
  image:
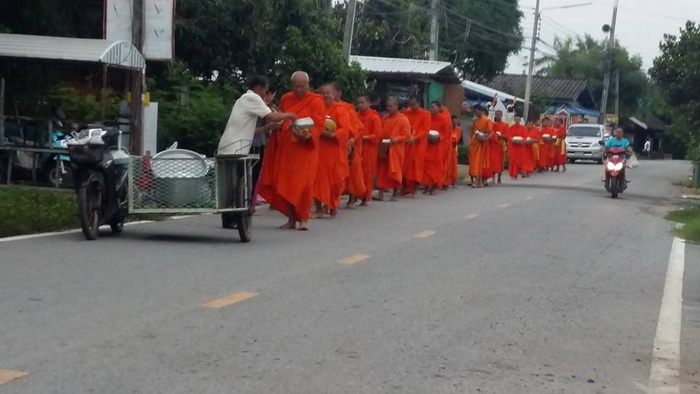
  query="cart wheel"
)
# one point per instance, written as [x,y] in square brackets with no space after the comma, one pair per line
[244,220]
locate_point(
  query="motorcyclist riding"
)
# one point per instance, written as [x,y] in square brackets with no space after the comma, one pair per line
[620,142]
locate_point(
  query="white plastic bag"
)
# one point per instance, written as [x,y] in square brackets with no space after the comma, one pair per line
[632,162]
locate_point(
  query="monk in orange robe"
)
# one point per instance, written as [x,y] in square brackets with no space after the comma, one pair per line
[516,151]
[287,179]
[532,154]
[372,125]
[446,148]
[332,155]
[452,164]
[355,184]
[560,145]
[415,145]
[546,145]
[479,168]
[497,146]
[434,167]
[395,130]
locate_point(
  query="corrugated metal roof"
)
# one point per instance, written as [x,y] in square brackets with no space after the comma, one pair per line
[119,53]
[487,91]
[547,87]
[400,66]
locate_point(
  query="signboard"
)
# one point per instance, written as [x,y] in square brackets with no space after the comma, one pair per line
[158,21]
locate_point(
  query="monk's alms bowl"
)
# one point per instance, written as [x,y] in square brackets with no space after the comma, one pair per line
[433,136]
[303,124]
[517,140]
[482,136]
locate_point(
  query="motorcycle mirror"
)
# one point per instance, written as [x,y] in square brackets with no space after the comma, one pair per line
[601,142]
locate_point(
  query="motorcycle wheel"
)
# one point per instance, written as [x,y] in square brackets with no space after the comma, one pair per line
[89,206]
[54,175]
[613,188]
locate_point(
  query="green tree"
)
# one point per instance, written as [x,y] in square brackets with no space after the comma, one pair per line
[585,57]
[677,74]
[476,36]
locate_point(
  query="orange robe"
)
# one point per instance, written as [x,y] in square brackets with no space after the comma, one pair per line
[355,183]
[478,150]
[547,148]
[497,147]
[373,129]
[452,165]
[390,169]
[287,177]
[516,153]
[560,147]
[531,151]
[434,168]
[535,134]
[446,148]
[332,167]
[415,152]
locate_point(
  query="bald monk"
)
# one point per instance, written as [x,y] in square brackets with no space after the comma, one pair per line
[435,156]
[287,180]
[479,168]
[395,130]
[532,150]
[452,164]
[372,124]
[560,145]
[497,146]
[415,145]
[516,151]
[354,183]
[546,146]
[332,168]
[446,147]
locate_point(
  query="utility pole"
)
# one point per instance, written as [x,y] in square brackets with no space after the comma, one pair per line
[608,65]
[617,94]
[137,35]
[531,63]
[432,55]
[349,27]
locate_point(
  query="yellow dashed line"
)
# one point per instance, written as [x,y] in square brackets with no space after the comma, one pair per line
[472,216]
[425,234]
[7,375]
[230,299]
[354,259]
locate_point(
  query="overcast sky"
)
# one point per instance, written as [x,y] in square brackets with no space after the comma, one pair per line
[641,24]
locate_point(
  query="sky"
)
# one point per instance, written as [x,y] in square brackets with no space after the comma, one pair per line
[641,24]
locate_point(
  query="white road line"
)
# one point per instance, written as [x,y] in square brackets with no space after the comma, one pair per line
[42,235]
[666,354]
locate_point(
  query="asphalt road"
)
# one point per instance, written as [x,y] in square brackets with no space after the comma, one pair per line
[545,285]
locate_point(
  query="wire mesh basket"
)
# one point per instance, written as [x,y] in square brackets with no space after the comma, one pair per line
[172,185]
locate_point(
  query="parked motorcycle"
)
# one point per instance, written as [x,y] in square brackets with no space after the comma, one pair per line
[100,172]
[615,163]
[57,168]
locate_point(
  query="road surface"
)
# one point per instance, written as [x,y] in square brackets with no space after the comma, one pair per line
[545,285]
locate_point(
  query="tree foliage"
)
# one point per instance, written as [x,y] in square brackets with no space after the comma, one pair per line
[677,74]
[476,36]
[585,58]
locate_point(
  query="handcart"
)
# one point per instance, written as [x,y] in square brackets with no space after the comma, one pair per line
[183,182]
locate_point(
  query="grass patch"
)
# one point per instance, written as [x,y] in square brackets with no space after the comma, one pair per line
[29,211]
[26,210]
[691,218]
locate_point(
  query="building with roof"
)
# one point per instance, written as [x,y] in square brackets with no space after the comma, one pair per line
[647,126]
[402,78]
[563,96]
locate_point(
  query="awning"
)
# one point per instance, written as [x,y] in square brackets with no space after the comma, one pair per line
[487,91]
[572,110]
[412,68]
[113,53]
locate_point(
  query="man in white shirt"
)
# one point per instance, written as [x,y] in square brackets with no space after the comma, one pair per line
[647,148]
[238,135]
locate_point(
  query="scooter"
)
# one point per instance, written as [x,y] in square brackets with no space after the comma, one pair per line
[615,163]
[100,170]
[57,168]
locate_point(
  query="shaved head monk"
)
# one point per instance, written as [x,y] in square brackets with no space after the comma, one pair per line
[435,154]
[517,134]
[497,146]
[395,130]
[415,145]
[287,179]
[332,155]
[478,147]
[370,139]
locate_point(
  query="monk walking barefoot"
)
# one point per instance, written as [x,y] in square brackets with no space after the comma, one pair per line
[395,130]
[287,179]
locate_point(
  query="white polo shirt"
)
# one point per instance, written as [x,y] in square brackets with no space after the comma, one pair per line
[240,128]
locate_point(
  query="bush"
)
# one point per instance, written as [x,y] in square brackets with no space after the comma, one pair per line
[29,211]
[691,219]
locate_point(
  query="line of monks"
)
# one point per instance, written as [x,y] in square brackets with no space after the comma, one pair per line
[530,148]
[347,151]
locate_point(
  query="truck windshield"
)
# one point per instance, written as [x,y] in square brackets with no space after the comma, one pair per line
[584,131]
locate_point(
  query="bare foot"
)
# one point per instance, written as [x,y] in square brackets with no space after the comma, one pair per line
[364,203]
[303,226]
[317,215]
[290,225]
[350,206]
[333,212]
[393,199]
